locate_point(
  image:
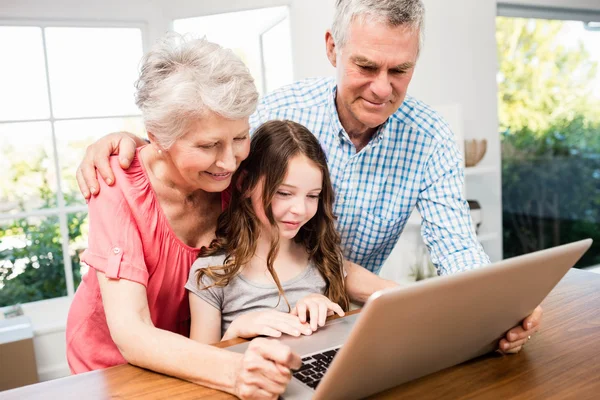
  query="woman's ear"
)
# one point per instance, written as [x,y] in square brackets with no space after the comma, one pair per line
[154,142]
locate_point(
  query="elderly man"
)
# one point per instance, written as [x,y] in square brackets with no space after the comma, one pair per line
[387,151]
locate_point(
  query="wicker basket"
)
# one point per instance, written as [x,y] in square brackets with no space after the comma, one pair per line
[474,151]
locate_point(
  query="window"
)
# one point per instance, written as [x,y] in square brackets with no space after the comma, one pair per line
[265,46]
[63,87]
[549,94]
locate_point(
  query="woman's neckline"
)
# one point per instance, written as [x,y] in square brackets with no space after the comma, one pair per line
[160,211]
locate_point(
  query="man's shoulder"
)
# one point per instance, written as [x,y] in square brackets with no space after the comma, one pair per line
[303,94]
[422,117]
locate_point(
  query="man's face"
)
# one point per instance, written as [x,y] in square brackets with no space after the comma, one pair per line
[374,69]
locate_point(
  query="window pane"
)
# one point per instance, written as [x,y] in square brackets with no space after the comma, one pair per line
[277,56]
[24,93]
[93,70]
[78,236]
[31,261]
[27,164]
[217,28]
[72,138]
[549,92]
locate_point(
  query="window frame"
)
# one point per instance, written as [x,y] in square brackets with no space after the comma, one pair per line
[62,211]
[541,12]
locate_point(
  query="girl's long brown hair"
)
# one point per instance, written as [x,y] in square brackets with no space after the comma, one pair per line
[272,146]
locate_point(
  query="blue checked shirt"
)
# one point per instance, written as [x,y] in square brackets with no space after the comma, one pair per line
[412,160]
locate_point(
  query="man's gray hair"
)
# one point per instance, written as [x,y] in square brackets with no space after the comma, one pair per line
[410,13]
[183,78]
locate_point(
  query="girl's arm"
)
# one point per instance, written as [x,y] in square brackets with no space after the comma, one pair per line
[206,321]
[361,283]
[141,343]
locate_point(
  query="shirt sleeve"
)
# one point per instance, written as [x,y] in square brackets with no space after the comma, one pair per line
[114,240]
[213,295]
[447,228]
[260,116]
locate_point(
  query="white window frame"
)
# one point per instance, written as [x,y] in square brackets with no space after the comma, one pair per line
[62,210]
[263,71]
[541,12]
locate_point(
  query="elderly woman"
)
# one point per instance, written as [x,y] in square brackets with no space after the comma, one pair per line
[146,230]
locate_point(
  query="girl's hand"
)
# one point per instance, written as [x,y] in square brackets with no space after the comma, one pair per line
[266,323]
[318,307]
[264,370]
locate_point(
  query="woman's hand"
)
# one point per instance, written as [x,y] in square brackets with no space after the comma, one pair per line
[265,370]
[97,157]
[266,323]
[318,307]
[517,337]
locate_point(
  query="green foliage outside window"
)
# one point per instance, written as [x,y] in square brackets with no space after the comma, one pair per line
[550,136]
[35,270]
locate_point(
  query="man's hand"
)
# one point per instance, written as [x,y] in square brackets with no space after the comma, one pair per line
[518,336]
[318,307]
[97,157]
[266,323]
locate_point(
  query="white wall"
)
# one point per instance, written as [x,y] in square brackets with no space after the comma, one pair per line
[309,21]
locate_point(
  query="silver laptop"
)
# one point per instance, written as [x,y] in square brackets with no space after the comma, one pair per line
[406,333]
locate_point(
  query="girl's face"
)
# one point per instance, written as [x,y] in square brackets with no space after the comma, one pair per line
[296,200]
[208,154]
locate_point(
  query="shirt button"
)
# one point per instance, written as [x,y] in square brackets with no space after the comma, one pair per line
[116,250]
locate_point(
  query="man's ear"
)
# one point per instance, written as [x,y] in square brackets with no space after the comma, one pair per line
[331,49]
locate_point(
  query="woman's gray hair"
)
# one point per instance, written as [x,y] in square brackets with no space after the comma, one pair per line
[394,12]
[183,78]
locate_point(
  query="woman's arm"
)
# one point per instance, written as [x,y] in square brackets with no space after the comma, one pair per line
[362,283]
[264,368]
[206,321]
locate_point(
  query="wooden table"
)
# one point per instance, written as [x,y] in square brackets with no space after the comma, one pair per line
[561,361]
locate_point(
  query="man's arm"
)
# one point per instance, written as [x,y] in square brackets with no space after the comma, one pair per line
[447,228]
[361,283]
[97,157]
[448,231]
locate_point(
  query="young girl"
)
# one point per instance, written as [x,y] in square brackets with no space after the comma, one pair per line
[276,265]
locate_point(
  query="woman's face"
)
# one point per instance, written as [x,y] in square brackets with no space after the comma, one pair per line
[210,151]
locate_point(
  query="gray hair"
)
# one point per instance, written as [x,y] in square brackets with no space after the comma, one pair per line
[184,78]
[410,13]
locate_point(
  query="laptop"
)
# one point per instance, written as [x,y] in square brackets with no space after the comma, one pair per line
[405,333]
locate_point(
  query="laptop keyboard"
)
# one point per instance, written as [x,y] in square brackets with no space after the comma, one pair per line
[314,367]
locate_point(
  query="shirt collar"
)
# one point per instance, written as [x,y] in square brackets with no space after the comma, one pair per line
[336,125]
